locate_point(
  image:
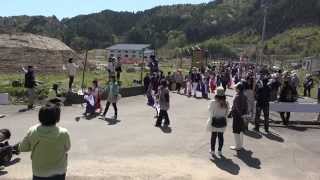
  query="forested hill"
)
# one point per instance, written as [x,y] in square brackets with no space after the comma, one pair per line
[171,26]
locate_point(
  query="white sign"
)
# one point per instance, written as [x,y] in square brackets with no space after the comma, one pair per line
[4,98]
[295,107]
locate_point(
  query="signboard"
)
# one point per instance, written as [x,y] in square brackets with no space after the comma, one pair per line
[295,107]
[198,58]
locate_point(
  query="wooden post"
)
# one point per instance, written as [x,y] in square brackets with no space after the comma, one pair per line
[142,67]
[84,70]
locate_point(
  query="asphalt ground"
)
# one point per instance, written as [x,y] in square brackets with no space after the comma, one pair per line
[132,148]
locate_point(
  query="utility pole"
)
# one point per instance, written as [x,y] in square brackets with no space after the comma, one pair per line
[265,6]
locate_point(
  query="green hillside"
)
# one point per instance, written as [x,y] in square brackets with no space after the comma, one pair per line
[224,27]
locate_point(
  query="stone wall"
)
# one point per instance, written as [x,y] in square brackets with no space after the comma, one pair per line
[11,59]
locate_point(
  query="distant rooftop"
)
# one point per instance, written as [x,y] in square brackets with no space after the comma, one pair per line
[135,47]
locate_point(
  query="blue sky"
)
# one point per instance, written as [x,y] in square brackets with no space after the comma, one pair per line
[70,8]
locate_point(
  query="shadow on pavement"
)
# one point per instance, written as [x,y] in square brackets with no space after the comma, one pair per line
[253,134]
[24,110]
[13,162]
[2,173]
[296,122]
[111,121]
[274,137]
[246,156]
[92,116]
[296,128]
[226,165]
[166,129]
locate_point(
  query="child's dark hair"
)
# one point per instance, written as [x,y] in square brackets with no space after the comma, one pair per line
[95,82]
[70,60]
[49,115]
[163,83]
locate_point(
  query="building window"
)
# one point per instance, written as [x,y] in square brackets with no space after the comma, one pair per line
[126,51]
[133,56]
[111,51]
[126,55]
[119,51]
[133,51]
[111,55]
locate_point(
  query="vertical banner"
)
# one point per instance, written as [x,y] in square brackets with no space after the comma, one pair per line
[198,58]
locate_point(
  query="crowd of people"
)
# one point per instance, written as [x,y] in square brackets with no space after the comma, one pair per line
[255,87]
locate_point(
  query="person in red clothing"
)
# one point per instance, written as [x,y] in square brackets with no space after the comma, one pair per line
[97,96]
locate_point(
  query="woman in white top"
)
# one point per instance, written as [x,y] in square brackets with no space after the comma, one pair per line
[71,68]
[217,122]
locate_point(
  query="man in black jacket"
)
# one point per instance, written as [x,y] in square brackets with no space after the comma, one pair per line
[30,84]
[263,98]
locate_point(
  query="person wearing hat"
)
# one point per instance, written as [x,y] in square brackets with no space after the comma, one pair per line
[238,111]
[113,96]
[217,122]
[30,84]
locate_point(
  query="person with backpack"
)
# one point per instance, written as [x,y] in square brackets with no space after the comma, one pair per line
[238,111]
[263,98]
[164,102]
[217,122]
[49,145]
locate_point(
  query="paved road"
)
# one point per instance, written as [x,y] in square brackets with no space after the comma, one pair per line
[134,149]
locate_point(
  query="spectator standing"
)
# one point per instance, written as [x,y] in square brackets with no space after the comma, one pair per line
[308,85]
[239,109]
[217,122]
[30,84]
[111,67]
[275,84]
[113,96]
[118,68]
[169,79]
[146,82]
[71,68]
[263,98]
[164,102]
[286,95]
[48,144]
[179,80]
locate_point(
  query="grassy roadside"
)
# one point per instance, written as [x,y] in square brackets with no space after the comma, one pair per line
[17,94]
